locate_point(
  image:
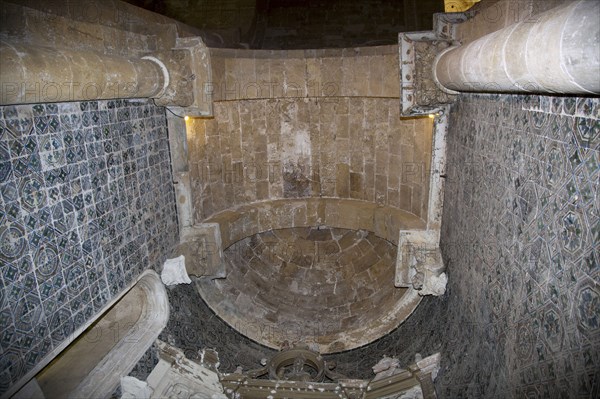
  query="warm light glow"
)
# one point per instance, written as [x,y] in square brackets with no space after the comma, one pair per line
[459,5]
[432,116]
[187,118]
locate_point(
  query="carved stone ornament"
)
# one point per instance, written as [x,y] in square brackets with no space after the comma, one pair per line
[420,265]
[420,95]
[302,373]
[297,364]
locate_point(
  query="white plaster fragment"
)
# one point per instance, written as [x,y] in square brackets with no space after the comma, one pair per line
[420,264]
[412,393]
[174,272]
[435,285]
[132,388]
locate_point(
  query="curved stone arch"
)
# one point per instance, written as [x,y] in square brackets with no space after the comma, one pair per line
[238,223]
[146,303]
[246,220]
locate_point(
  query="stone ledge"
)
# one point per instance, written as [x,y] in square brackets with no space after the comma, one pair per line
[246,220]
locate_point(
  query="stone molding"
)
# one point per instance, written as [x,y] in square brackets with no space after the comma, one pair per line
[178,377]
[175,376]
[203,250]
[246,220]
[564,58]
[420,265]
[102,381]
[190,67]
[105,377]
[419,92]
[415,382]
[281,283]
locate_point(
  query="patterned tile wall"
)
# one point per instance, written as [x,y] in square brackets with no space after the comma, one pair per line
[521,236]
[86,204]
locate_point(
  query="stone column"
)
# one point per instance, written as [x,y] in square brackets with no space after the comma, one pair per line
[33,74]
[554,52]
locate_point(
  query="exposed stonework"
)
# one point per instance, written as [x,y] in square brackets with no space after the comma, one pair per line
[175,376]
[243,221]
[420,264]
[386,367]
[342,187]
[266,145]
[255,74]
[329,287]
[105,26]
[174,272]
[355,148]
[201,71]
[202,248]
[166,64]
[563,60]
[300,139]
[419,92]
[91,366]
[492,15]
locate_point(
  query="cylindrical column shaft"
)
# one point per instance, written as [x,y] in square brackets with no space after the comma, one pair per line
[555,52]
[34,74]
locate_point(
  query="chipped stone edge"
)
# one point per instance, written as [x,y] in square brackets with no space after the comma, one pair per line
[202,105]
[175,376]
[212,233]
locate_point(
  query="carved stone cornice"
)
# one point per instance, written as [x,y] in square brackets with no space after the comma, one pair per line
[300,373]
[419,92]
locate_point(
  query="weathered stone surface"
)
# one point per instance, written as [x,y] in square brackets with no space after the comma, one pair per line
[260,74]
[238,223]
[175,376]
[295,148]
[201,245]
[420,265]
[420,95]
[564,59]
[174,272]
[308,285]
